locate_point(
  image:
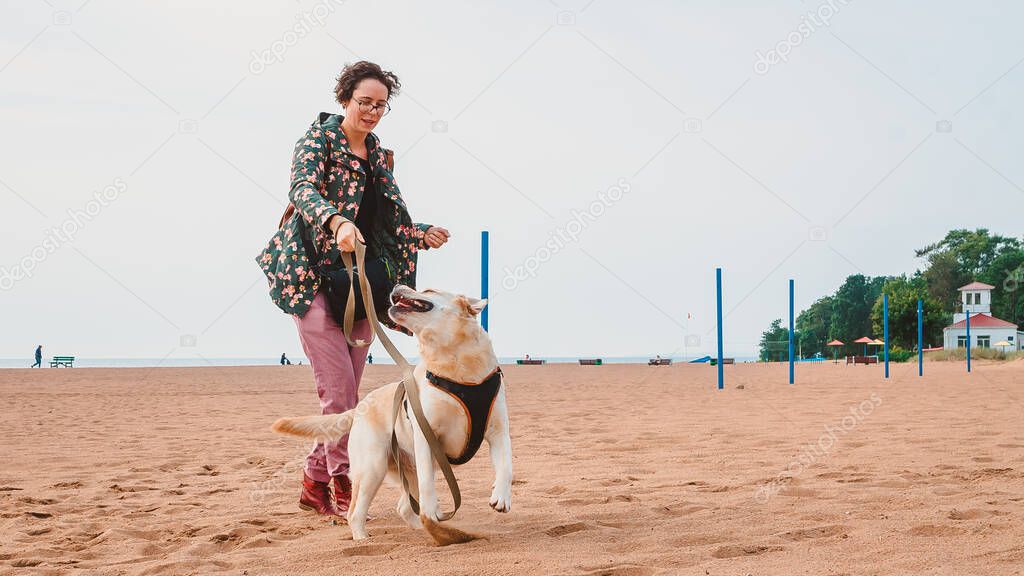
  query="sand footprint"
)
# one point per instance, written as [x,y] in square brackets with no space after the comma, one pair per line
[39,501]
[677,509]
[796,492]
[618,570]
[853,479]
[812,533]
[564,529]
[369,550]
[218,491]
[932,530]
[208,470]
[971,514]
[583,501]
[740,550]
[697,540]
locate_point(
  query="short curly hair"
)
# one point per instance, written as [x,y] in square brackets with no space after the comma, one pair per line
[353,74]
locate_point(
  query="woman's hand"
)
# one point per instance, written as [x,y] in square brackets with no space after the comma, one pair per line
[436,236]
[346,234]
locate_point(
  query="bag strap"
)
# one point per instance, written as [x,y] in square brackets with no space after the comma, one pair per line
[389,159]
[350,302]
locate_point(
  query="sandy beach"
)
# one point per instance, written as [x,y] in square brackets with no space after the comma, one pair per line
[620,471]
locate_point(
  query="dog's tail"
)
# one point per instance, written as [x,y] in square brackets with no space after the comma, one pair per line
[326,427]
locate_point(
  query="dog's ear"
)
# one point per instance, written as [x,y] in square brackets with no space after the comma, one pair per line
[472,306]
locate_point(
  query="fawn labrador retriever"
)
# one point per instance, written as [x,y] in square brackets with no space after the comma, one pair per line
[463,397]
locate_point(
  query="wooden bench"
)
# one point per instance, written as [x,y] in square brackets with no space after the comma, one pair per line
[530,362]
[714,361]
[862,360]
[590,361]
[65,361]
[659,362]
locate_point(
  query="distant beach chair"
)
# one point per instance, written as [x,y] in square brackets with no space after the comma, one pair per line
[659,362]
[65,361]
[590,361]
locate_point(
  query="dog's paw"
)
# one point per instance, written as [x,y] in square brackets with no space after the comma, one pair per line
[501,501]
[432,515]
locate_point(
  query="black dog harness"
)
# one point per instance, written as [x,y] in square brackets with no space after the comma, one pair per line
[476,400]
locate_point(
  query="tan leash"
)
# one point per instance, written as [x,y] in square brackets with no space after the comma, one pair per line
[406,387]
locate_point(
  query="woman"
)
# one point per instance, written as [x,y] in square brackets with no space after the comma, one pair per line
[343,192]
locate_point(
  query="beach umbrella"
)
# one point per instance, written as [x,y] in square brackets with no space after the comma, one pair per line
[1003,343]
[865,341]
[835,353]
[878,342]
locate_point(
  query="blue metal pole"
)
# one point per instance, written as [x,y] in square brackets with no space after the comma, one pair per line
[718,291]
[885,330]
[790,330]
[484,268]
[968,340]
[920,339]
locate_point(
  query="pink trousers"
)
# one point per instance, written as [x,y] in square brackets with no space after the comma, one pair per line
[337,368]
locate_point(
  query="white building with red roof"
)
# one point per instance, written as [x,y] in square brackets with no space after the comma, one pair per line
[986,329]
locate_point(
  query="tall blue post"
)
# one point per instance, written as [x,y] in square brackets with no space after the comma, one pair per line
[790,330]
[968,340]
[484,249]
[718,291]
[920,339]
[885,330]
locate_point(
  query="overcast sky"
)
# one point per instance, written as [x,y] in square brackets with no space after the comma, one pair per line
[620,152]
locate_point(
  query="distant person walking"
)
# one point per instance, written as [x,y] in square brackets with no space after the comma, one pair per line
[285,360]
[369,358]
[39,357]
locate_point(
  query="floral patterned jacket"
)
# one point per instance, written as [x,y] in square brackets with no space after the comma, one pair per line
[327,179]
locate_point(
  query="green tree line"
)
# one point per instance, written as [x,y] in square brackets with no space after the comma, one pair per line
[855,309]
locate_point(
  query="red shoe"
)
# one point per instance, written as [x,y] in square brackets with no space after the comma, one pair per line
[316,496]
[342,493]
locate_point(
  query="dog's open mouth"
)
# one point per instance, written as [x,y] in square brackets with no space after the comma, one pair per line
[406,304]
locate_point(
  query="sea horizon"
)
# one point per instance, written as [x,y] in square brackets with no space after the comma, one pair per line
[88,362]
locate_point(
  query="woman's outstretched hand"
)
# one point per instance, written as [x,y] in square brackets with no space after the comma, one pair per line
[436,236]
[346,234]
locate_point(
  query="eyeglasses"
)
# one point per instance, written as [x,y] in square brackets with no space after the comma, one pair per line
[368,107]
